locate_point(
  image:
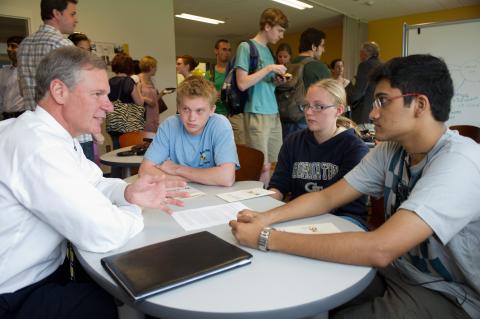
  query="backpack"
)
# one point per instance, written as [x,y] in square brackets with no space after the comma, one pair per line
[291,94]
[231,96]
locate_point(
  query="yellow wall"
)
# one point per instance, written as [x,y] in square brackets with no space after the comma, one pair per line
[333,42]
[388,33]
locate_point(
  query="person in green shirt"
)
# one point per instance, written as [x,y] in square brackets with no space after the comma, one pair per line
[217,72]
[312,46]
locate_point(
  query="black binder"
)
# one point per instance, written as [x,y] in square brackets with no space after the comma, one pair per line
[159,267]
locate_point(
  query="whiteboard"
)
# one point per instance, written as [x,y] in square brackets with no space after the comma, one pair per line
[458,44]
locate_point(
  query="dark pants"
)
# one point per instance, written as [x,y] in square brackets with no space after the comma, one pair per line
[57,297]
[392,296]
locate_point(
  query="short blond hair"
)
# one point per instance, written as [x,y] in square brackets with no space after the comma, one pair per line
[336,90]
[147,63]
[197,86]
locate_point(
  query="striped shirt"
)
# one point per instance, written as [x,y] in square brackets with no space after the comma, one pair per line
[31,51]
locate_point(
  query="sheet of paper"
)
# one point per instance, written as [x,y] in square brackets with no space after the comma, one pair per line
[193,192]
[322,228]
[197,218]
[244,194]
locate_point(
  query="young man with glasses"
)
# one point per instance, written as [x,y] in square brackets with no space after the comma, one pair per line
[427,250]
[320,155]
[196,145]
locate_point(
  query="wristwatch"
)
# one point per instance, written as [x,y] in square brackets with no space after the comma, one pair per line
[263,238]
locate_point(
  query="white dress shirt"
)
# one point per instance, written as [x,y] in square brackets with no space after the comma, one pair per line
[50,192]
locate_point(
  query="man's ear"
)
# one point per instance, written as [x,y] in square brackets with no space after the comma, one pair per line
[212,109]
[56,13]
[58,91]
[422,105]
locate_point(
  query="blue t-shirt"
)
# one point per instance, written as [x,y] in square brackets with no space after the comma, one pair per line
[214,146]
[261,96]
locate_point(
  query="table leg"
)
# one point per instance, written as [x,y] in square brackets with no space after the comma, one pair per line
[126,172]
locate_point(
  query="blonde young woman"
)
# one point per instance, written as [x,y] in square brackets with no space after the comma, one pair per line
[321,154]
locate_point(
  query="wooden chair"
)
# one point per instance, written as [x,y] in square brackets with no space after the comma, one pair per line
[251,163]
[468,130]
[134,138]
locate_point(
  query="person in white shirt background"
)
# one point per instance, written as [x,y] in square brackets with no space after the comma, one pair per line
[51,193]
[11,102]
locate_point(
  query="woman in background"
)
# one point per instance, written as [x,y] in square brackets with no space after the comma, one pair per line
[185,65]
[148,68]
[337,72]
[123,87]
[284,53]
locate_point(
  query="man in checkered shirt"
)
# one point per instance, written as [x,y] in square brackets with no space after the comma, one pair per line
[59,17]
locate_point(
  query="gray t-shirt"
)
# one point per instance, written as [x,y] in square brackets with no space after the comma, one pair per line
[445,196]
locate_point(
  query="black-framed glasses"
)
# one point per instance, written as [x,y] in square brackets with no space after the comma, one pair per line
[315,108]
[383,100]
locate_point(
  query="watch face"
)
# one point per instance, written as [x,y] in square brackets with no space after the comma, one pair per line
[263,239]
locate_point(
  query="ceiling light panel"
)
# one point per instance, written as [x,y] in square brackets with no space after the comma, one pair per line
[198,18]
[295,4]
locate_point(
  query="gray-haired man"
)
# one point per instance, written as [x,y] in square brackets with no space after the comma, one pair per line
[51,193]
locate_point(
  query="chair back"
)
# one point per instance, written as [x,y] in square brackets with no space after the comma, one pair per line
[134,138]
[251,163]
[468,130]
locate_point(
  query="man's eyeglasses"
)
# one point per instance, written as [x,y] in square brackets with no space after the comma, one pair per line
[315,108]
[382,101]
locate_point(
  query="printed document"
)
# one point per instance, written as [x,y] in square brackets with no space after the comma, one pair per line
[244,194]
[197,218]
[192,192]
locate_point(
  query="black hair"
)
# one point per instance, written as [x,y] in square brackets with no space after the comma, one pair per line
[310,37]
[47,7]
[136,67]
[76,37]
[15,39]
[332,64]
[220,41]
[284,47]
[423,74]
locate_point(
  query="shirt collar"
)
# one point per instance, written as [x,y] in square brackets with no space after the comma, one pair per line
[50,121]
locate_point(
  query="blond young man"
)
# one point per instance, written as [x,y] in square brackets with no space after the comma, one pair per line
[195,145]
[263,129]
